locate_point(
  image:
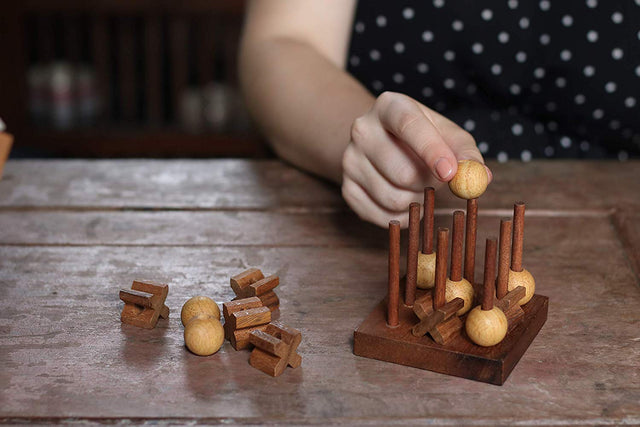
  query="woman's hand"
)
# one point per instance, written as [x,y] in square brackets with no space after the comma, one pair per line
[396,149]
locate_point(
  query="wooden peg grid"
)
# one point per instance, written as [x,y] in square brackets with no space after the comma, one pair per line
[241,318]
[275,349]
[144,304]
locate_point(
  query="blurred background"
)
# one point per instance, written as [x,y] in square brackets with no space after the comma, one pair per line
[124,78]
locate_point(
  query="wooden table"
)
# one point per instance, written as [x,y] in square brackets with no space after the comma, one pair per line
[73,232]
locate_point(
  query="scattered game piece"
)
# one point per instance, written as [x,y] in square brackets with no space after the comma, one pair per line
[471,180]
[518,276]
[427,258]
[6,141]
[275,349]
[457,286]
[144,304]
[252,283]
[199,306]
[242,317]
[486,324]
[203,335]
[429,334]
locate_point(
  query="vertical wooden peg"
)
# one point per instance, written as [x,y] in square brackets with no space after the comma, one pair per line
[412,254]
[470,240]
[441,268]
[394,274]
[504,257]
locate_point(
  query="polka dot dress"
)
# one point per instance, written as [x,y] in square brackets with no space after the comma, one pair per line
[529,79]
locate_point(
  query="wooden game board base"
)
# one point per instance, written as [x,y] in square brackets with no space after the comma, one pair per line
[461,357]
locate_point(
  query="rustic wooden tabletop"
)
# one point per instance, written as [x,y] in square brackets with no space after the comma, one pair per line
[73,232]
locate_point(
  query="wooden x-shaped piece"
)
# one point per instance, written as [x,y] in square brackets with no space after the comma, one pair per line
[509,305]
[252,283]
[275,348]
[442,324]
[144,304]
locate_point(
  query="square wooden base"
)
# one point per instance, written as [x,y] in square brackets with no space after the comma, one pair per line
[460,357]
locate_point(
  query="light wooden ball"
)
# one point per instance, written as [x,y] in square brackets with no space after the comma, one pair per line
[197,306]
[461,289]
[204,335]
[470,181]
[486,328]
[522,278]
[426,270]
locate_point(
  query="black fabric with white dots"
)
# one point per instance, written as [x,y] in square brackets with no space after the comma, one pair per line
[529,79]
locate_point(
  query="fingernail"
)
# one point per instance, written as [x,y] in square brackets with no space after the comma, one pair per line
[489,173]
[443,168]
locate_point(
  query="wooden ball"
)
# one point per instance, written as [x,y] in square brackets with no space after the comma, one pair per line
[486,328]
[204,335]
[426,270]
[522,278]
[461,289]
[470,181]
[198,306]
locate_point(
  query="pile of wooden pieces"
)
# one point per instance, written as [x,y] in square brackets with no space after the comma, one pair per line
[252,283]
[144,304]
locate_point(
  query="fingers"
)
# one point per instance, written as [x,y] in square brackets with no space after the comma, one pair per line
[368,210]
[408,122]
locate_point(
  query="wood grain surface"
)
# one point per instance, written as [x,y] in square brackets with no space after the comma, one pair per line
[72,233]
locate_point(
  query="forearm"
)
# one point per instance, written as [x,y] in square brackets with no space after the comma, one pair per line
[304,103]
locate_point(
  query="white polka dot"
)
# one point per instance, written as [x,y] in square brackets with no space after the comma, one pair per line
[551,106]
[623,156]
[398,47]
[565,55]
[536,88]
[359,27]
[539,73]
[521,56]
[471,89]
[580,99]
[592,36]
[617,53]
[545,5]
[483,147]
[375,54]
[503,37]
[354,61]
[525,156]
[545,39]
[524,23]
[598,113]
[567,20]
[496,69]
[502,157]
[561,82]
[513,4]
[565,141]
[592,3]
[377,85]
[477,48]
[614,124]
[610,87]
[427,36]
[584,145]
[422,68]
[469,125]
[427,92]
[538,128]
[552,126]
[548,151]
[457,25]
[589,70]
[517,129]
[398,78]
[617,17]
[438,3]
[408,13]
[515,89]
[449,55]
[381,21]
[495,116]
[630,102]
[449,83]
